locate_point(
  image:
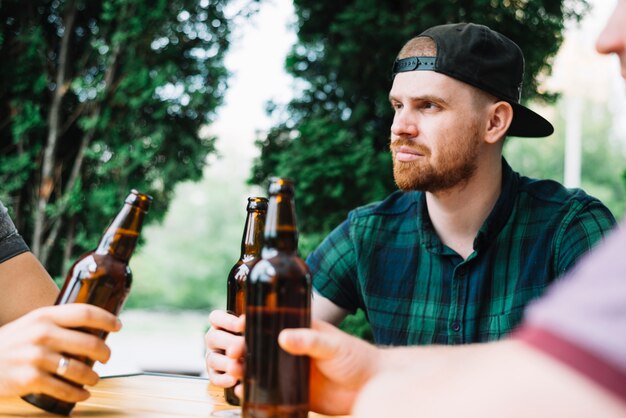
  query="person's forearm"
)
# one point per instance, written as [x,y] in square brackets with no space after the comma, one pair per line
[428,359]
[483,380]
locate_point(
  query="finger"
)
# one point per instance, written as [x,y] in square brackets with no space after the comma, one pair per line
[237,348]
[222,364]
[76,315]
[75,370]
[59,389]
[223,320]
[80,373]
[223,380]
[232,345]
[73,342]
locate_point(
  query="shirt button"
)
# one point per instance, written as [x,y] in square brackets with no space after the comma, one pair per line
[461,272]
[456,326]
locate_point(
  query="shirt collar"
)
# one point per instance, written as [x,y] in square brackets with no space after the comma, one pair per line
[489,229]
[501,211]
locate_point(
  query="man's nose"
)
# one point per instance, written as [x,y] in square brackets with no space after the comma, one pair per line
[403,126]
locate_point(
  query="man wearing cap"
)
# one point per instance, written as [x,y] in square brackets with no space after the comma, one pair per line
[456,254]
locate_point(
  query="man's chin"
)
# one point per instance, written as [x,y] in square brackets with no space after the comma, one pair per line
[408,184]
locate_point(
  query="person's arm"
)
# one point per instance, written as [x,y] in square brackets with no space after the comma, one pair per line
[587,225]
[25,285]
[505,378]
[343,364]
[32,348]
[499,379]
[323,309]
[333,266]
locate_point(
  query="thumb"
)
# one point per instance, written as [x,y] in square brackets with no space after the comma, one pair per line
[319,344]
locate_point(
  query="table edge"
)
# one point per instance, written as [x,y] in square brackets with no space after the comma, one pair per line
[174,375]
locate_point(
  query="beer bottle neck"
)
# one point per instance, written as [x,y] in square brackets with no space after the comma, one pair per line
[120,238]
[252,240]
[281,234]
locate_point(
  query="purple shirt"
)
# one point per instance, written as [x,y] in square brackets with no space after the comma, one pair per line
[581,320]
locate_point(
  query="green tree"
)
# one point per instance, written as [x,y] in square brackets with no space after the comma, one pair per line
[100,97]
[334,139]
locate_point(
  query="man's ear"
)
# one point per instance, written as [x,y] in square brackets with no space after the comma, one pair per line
[500,117]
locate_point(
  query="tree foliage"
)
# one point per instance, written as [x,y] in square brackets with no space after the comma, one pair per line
[334,141]
[98,97]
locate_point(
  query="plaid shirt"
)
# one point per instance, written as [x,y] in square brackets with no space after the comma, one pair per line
[387,259]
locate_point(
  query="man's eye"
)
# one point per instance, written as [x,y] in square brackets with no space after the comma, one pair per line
[429,105]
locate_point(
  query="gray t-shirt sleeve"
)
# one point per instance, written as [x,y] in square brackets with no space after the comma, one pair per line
[11,242]
[588,306]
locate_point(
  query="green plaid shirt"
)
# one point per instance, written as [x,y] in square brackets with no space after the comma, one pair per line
[387,259]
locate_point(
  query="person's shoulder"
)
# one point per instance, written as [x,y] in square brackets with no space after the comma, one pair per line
[552,192]
[396,204]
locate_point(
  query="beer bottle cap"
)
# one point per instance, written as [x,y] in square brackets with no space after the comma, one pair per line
[281,185]
[139,199]
[257,203]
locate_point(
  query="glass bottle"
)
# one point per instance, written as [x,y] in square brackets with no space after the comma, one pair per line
[251,243]
[101,278]
[278,296]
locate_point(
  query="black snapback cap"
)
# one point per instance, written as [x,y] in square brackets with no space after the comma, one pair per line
[484,59]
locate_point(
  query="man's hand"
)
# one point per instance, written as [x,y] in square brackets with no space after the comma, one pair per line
[32,348]
[225,348]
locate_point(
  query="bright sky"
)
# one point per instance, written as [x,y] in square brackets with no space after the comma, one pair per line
[256,60]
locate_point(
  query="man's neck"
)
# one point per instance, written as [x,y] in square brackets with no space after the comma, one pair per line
[458,213]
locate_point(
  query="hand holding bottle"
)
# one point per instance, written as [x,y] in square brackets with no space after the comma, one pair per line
[35,350]
[100,278]
[224,348]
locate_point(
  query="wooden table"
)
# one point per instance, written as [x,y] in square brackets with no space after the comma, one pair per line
[145,395]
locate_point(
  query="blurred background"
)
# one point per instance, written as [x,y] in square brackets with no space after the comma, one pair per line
[198,102]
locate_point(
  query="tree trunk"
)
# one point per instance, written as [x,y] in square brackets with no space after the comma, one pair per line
[54,122]
[18,219]
[69,244]
[78,163]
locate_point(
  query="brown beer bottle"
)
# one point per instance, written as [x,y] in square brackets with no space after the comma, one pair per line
[101,278]
[251,243]
[278,296]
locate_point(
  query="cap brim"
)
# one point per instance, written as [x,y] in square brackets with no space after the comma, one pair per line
[527,123]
